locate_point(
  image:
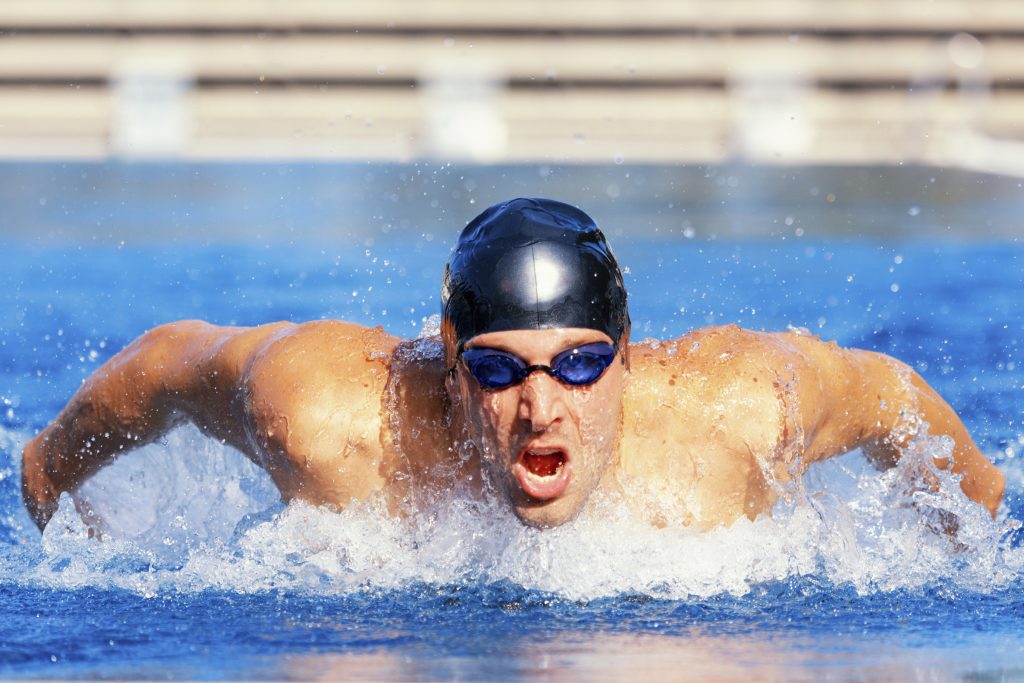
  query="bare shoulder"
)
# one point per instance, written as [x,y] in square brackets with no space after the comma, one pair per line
[718,359]
[746,370]
[304,369]
[313,398]
[721,352]
[327,341]
[767,387]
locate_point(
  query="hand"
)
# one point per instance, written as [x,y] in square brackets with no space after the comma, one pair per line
[37,489]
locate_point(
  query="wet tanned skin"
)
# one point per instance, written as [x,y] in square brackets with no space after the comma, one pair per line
[336,412]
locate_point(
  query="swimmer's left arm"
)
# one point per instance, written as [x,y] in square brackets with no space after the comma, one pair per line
[861,399]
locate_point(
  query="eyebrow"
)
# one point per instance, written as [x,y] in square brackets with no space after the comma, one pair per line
[570,345]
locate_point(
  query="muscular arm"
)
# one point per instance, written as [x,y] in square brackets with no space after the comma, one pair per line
[859,399]
[182,371]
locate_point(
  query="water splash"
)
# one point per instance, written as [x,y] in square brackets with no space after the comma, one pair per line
[190,514]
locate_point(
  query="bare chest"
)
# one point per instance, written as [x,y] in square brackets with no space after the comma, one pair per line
[696,444]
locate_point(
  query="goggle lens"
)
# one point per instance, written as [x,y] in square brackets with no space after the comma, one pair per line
[582,367]
[495,370]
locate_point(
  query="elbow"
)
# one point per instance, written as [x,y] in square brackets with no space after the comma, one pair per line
[170,338]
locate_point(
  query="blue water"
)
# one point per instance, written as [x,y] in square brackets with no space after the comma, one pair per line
[203,574]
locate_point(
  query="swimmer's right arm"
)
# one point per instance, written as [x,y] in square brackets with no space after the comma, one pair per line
[187,370]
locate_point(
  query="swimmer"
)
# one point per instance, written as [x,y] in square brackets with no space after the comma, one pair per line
[533,394]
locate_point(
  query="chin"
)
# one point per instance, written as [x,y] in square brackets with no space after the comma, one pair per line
[547,515]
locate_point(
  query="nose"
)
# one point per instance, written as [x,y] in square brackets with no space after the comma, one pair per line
[541,401]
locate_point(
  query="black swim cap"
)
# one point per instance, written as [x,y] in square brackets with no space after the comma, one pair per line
[529,264]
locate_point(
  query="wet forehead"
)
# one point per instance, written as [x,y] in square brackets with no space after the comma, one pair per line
[538,345]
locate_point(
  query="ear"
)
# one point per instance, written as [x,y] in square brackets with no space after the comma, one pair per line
[450,342]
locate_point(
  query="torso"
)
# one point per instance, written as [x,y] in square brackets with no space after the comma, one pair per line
[337,411]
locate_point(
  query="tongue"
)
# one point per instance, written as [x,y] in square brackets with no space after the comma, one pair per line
[543,464]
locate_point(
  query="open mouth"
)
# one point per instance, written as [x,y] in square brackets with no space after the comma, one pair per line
[543,464]
[543,473]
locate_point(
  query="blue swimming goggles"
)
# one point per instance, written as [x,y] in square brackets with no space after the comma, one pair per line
[577,367]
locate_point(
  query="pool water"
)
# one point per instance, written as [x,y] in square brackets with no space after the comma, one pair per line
[203,573]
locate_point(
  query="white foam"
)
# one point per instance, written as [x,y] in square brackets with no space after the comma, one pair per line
[191,514]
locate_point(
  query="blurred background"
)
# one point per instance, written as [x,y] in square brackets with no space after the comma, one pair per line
[155,120]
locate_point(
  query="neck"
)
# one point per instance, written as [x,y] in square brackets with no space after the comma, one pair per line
[461,448]
[415,408]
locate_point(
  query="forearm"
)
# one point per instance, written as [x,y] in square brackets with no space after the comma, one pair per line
[980,480]
[187,370]
[67,453]
[908,405]
[867,400]
[129,401]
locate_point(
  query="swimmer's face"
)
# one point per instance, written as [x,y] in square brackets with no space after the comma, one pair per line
[544,444]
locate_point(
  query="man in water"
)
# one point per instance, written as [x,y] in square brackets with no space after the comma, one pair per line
[534,395]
